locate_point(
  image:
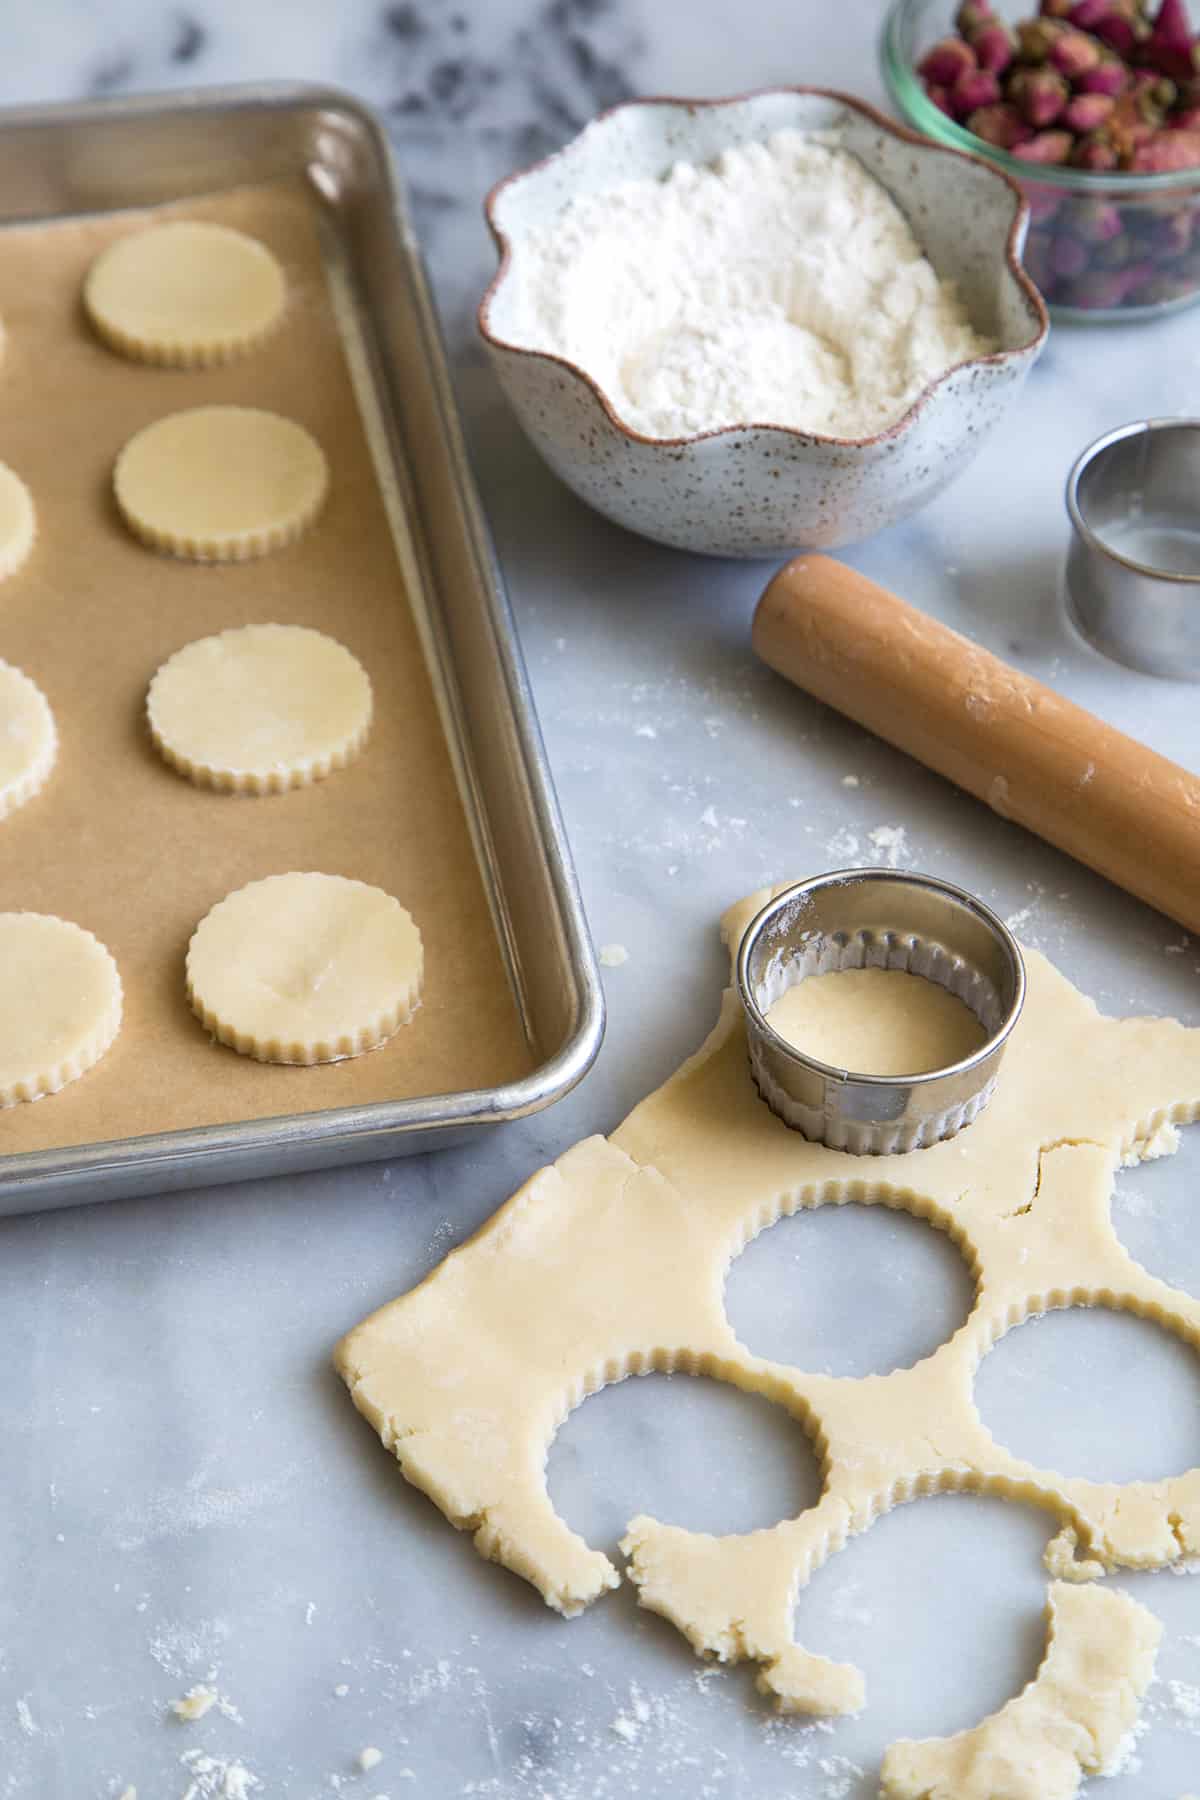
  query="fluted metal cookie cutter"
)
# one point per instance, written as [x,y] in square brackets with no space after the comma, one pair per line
[884,919]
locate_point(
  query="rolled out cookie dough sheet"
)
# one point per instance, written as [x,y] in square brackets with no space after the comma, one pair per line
[117,841]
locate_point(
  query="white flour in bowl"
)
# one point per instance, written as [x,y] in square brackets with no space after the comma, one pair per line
[780,286]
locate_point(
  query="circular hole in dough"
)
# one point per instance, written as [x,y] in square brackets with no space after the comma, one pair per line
[260,708]
[848,1289]
[186,293]
[28,740]
[60,1004]
[220,483]
[18,522]
[305,968]
[877,1022]
[1066,1391]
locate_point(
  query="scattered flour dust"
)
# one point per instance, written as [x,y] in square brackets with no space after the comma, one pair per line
[195,1703]
[613,955]
[782,285]
[217,1777]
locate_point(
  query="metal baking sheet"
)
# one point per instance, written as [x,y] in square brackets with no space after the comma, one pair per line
[77,162]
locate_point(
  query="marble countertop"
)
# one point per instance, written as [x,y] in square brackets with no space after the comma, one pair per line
[186,1488]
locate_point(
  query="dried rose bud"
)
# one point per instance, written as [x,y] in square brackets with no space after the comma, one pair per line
[1096,221]
[1087,112]
[1104,289]
[1040,94]
[1035,36]
[1068,257]
[994,47]
[1074,53]
[1044,204]
[1170,48]
[1046,147]
[1096,151]
[1120,34]
[1187,119]
[1056,9]
[1170,236]
[1116,252]
[1086,14]
[972,16]
[1167,150]
[940,97]
[946,62]
[1108,77]
[1001,125]
[976,88]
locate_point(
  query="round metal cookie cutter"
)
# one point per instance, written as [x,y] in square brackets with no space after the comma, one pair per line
[884,919]
[1133,570]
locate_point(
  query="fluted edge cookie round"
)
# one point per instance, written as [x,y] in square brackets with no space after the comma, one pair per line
[260,709]
[18,522]
[20,780]
[187,294]
[305,968]
[220,483]
[38,951]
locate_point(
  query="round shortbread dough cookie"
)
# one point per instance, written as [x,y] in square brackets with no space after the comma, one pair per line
[260,708]
[877,1022]
[18,522]
[28,739]
[305,968]
[60,1004]
[220,483]
[187,293]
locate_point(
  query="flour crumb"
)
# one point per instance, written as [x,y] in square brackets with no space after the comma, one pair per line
[613,955]
[646,731]
[891,842]
[1185,1698]
[310,1612]
[370,1758]
[129,1793]
[195,1703]
[217,1777]
[709,818]
[341,1690]
[850,781]
[25,1719]
[625,1727]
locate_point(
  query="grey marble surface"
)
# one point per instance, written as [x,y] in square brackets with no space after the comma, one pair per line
[185,1487]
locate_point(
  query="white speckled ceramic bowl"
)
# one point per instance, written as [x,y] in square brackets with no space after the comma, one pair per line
[765,490]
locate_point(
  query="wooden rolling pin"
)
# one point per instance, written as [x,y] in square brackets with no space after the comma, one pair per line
[1031,755]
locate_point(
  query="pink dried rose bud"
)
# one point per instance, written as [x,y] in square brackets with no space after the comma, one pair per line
[946,62]
[1035,36]
[1170,48]
[1056,9]
[1046,147]
[1095,221]
[972,16]
[1167,150]
[1108,77]
[1040,94]
[978,87]
[1097,151]
[994,47]
[1044,203]
[1187,119]
[1119,33]
[1068,257]
[940,97]
[1074,53]
[1086,14]
[1001,125]
[1087,112]
[1102,289]
[1170,237]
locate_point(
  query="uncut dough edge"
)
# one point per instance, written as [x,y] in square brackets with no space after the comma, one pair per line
[611,1262]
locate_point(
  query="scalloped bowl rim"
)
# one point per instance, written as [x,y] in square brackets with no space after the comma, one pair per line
[903,134]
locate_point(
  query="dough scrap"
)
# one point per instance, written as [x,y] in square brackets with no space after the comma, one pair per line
[611,1263]
[260,708]
[28,739]
[1070,1721]
[186,293]
[18,522]
[305,968]
[60,1004]
[220,483]
[881,1022]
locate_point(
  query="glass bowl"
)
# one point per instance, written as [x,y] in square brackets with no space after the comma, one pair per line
[1103,248]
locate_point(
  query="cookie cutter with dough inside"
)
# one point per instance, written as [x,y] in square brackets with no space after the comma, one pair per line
[883,919]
